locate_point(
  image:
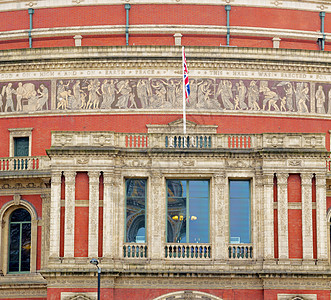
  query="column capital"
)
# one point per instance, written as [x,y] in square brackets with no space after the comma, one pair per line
[56,177]
[220,178]
[320,180]
[306,178]
[268,178]
[93,177]
[69,175]
[282,178]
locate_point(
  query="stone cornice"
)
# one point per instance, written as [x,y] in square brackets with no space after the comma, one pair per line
[149,56]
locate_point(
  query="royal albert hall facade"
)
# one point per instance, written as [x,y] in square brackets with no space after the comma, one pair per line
[94,162]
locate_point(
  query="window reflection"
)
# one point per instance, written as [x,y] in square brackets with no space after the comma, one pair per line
[135,210]
[188,211]
[19,241]
[240,211]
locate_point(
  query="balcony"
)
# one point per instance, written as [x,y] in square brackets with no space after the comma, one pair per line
[24,163]
[188,251]
[240,251]
[135,250]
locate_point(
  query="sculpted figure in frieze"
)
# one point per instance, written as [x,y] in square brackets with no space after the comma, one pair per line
[8,91]
[302,96]
[125,91]
[241,90]
[270,97]
[158,100]
[174,86]
[144,92]
[225,90]
[320,100]
[42,98]
[253,96]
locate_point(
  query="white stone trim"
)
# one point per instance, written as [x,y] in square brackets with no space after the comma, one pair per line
[69,222]
[282,216]
[268,216]
[55,210]
[93,230]
[19,132]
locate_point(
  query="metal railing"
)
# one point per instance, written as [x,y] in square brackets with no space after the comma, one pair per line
[188,251]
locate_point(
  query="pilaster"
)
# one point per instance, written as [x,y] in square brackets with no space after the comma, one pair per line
[69,216]
[321,222]
[282,216]
[93,232]
[218,236]
[157,214]
[307,216]
[55,208]
[268,212]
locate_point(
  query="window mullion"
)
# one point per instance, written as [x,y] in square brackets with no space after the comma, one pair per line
[20,250]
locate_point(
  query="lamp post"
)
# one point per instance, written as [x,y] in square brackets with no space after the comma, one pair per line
[95,262]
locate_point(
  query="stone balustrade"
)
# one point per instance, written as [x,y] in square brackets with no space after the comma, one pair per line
[64,139]
[240,251]
[26,163]
[188,251]
[135,250]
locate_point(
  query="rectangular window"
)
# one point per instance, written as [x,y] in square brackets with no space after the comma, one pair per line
[188,211]
[240,227]
[135,210]
[21,146]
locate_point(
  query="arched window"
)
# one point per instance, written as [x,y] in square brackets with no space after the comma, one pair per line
[19,241]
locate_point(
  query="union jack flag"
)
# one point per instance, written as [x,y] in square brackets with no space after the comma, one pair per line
[185,72]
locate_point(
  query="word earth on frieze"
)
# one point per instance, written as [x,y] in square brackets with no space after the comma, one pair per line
[160,93]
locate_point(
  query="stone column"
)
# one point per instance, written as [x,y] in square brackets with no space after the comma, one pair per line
[321,221]
[307,216]
[55,209]
[219,238]
[257,221]
[157,214]
[268,212]
[69,216]
[93,226]
[108,214]
[282,216]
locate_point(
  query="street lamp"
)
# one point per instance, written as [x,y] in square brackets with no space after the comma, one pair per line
[95,262]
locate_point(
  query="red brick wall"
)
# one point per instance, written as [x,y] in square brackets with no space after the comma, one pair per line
[294,188]
[295,233]
[41,135]
[81,215]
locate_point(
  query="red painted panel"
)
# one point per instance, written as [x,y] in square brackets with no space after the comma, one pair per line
[295,233]
[298,44]
[274,18]
[63,180]
[250,41]
[81,231]
[314,235]
[276,233]
[205,40]
[82,186]
[152,39]
[14,44]
[328,202]
[112,40]
[314,190]
[100,237]
[294,188]
[58,41]
[79,16]
[62,220]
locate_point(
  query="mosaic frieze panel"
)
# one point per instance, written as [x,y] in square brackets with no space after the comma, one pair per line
[25,96]
[160,93]
[216,94]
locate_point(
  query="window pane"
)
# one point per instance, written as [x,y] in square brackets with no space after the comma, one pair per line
[25,247]
[21,146]
[135,210]
[19,215]
[188,215]
[239,211]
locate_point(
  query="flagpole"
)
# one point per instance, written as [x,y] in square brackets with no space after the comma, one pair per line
[184,98]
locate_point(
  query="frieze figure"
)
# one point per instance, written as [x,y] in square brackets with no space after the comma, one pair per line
[253,96]
[320,100]
[9,91]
